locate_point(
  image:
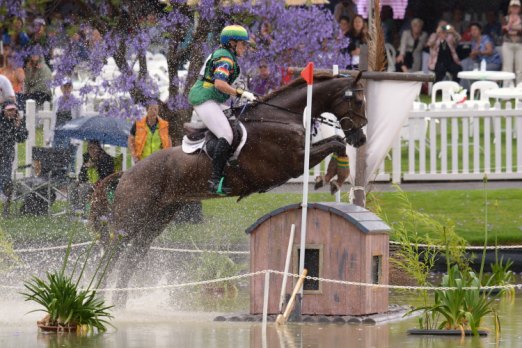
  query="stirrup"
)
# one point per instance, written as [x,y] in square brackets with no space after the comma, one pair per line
[220,189]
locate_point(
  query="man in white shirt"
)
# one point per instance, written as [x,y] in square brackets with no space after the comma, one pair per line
[6,89]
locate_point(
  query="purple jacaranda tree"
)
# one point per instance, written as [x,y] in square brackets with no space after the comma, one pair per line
[282,36]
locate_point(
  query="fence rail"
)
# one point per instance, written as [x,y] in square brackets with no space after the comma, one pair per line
[439,144]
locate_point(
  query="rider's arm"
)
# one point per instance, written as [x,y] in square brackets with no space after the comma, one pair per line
[224,87]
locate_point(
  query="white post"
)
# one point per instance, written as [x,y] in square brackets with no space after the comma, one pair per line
[396,161]
[338,193]
[265,301]
[287,266]
[30,120]
[304,205]
[46,121]
[124,152]
[79,157]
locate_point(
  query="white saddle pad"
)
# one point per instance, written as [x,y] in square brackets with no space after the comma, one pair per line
[190,146]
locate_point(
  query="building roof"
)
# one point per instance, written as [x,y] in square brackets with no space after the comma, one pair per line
[362,218]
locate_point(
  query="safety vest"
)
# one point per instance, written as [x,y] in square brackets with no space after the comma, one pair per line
[145,142]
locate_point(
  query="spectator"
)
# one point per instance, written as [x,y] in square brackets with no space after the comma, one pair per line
[358,35]
[12,131]
[493,28]
[65,108]
[78,46]
[39,38]
[37,74]
[482,48]
[388,24]
[345,8]
[412,44]
[262,84]
[16,77]
[443,57]
[512,46]
[6,89]
[148,135]
[409,15]
[457,19]
[18,38]
[344,25]
[97,164]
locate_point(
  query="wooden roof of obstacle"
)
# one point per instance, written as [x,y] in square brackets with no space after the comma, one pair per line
[363,219]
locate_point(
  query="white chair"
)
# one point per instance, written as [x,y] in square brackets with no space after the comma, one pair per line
[482,86]
[391,54]
[519,85]
[445,87]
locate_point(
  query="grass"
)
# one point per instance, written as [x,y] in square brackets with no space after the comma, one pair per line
[227,220]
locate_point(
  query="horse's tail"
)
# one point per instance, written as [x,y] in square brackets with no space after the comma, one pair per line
[100,210]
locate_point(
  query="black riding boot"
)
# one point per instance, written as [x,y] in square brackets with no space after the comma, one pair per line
[221,154]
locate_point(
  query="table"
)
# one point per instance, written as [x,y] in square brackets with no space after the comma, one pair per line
[486,75]
[504,93]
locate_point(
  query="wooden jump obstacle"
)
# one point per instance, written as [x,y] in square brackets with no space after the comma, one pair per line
[344,242]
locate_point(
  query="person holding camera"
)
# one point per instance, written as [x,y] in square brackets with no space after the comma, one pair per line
[12,131]
[345,8]
[443,57]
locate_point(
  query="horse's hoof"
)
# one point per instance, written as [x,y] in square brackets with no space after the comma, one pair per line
[319,182]
[334,187]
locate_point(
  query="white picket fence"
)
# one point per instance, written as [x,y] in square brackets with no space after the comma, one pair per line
[431,156]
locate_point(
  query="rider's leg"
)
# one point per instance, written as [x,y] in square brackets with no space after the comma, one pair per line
[213,117]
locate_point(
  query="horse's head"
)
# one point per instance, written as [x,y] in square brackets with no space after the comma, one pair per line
[349,106]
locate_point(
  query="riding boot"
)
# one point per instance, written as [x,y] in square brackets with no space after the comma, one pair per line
[217,180]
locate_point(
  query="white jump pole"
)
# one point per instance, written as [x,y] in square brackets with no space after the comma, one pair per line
[287,266]
[338,193]
[265,301]
[308,75]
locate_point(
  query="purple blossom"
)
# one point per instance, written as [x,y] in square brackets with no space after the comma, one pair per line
[120,233]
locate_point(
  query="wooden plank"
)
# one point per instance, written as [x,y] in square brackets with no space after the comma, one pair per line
[487,145]
[476,145]
[397,158]
[519,143]
[465,145]
[411,145]
[470,176]
[455,145]
[422,146]
[509,145]
[444,146]
[433,145]
[374,75]
[498,144]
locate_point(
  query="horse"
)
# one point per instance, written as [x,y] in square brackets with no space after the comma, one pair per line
[149,193]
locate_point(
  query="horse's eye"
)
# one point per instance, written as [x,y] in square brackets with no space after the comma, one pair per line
[358,103]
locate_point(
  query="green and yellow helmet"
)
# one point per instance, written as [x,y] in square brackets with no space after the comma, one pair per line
[233,32]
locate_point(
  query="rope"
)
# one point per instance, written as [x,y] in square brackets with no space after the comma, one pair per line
[463,247]
[343,282]
[200,251]
[50,248]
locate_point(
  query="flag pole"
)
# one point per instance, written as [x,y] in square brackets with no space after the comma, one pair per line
[308,75]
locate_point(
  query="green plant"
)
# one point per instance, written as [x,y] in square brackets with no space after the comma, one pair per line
[461,309]
[8,258]
[64,302]
[213,264]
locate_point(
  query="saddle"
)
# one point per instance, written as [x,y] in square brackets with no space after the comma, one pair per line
[199,132]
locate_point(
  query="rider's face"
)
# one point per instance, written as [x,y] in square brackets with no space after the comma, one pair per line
[241,47]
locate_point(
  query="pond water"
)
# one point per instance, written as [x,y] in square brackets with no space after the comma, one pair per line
[150,322]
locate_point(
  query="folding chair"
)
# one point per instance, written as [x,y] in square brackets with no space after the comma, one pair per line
[50,172]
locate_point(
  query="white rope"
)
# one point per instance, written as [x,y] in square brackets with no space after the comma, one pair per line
[50,248]
[352,193]
[463,247]
[386,286]
[201,251]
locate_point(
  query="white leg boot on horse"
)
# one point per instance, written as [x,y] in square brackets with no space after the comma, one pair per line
[340,166]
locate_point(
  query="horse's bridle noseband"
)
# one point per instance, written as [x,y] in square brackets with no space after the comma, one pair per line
[348,96]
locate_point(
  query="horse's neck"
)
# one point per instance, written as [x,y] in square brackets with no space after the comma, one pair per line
[298,101]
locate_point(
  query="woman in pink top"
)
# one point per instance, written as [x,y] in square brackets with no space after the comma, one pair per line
[443,57]
[512,45]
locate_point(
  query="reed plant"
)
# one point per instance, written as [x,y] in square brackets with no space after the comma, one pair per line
[8,258]
[66,303]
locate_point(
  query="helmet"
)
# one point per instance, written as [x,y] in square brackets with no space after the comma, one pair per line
[233,32]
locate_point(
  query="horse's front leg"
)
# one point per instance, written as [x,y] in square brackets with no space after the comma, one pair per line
[339,165]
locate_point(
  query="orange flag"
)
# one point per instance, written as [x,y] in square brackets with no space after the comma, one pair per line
[308,73]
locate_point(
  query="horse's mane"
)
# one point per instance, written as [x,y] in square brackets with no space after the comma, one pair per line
[322,76]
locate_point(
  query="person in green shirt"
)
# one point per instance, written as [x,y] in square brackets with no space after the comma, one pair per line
[212,89]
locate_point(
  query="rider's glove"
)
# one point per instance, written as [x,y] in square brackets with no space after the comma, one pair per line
[246,95]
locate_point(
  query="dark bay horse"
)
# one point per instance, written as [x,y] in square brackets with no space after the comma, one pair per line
[150,193]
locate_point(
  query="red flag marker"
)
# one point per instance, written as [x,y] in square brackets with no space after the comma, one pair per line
[308,73]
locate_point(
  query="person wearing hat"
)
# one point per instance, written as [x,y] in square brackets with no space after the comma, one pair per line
[212,89]
[12,131]
[512,45]
[66,107]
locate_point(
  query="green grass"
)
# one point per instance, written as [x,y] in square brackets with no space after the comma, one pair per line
[227,220]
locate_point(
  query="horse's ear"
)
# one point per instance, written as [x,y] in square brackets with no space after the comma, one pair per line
[356,81]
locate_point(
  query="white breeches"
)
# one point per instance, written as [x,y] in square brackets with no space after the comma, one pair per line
[211,113]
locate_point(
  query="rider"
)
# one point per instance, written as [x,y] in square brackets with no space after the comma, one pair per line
[213,88]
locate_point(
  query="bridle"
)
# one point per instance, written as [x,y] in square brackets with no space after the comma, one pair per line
[348,96]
